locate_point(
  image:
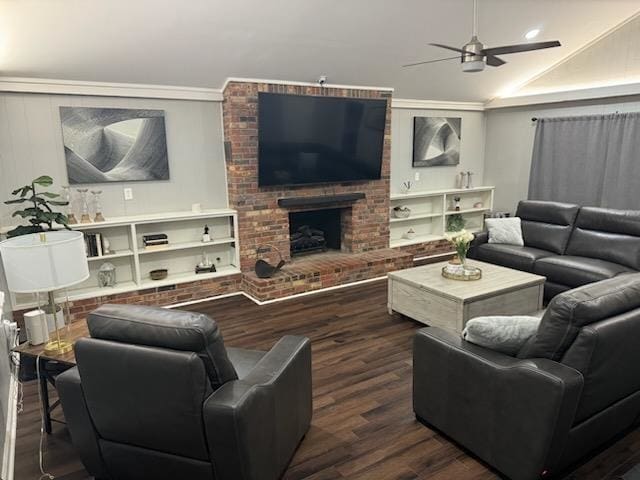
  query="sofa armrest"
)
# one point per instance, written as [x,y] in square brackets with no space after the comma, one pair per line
[514,414]
[76,413]
[254,424]
[479,239]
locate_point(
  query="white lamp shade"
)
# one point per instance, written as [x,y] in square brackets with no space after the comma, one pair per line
[43,262]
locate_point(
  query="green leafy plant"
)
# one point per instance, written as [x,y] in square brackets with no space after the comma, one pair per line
[455,222]
[39,212]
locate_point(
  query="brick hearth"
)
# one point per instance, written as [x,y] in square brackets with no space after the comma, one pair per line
[325,270]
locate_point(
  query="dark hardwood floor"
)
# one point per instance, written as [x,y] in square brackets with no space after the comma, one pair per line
[363,424]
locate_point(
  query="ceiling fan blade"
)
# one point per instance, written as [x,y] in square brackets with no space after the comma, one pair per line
[522,47]
[457,57]
[455,49]
[494,61]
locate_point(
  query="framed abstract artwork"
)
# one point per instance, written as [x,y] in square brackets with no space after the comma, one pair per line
[104,145]
[436,141]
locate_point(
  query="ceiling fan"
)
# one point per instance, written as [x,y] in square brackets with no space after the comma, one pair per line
[474,56]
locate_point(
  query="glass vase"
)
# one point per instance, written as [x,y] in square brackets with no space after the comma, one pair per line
[67,197]
[84,206]
[97,204]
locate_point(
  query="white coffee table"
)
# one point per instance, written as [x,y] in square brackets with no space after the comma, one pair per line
[423,294]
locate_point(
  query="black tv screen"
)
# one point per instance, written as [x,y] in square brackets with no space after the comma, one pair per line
[305,139]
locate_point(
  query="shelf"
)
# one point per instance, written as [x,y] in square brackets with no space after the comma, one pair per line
[144,219]
[120,254]
[187,245]
[435,193]
[415,217]
[188,277]
[468,210]
[403,242]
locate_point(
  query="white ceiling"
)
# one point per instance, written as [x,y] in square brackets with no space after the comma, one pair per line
[200,43]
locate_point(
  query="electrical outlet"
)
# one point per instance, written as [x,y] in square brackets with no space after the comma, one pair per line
[416,176]
[128,193]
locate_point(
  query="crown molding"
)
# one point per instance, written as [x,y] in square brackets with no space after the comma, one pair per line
[302,84]
[436,105]
[103,89]
[573,95]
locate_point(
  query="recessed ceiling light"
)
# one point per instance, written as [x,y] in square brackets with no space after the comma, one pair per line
[531,34]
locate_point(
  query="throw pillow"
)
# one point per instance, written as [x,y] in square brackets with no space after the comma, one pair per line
[501,333]
[507,231]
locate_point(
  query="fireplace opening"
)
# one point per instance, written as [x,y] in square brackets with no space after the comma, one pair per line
[314,231]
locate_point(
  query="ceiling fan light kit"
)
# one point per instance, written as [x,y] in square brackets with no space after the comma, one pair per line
[473,55]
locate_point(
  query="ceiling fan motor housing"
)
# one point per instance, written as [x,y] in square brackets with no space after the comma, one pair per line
[473,59]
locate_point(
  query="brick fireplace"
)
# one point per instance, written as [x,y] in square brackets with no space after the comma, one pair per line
[264,217]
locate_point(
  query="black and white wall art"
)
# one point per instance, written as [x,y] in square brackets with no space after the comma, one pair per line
[114,144]
[436,141]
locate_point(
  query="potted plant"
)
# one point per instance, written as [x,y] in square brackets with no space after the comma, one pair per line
[455,222]
[38,210]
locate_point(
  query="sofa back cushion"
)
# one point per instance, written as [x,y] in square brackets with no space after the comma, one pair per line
[164,328]
[607,234]
[571,311]
[547,225]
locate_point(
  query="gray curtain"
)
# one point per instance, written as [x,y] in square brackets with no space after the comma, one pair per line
[588,160]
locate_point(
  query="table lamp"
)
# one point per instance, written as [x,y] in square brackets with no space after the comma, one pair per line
[45,262]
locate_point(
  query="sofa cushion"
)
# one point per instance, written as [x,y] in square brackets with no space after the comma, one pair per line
[547,225]
[576,271]
[506,334]
[505,231]
[607,234]
[570,311]
[512,256]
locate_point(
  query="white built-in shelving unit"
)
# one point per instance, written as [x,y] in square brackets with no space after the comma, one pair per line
[430,210]
[133,263]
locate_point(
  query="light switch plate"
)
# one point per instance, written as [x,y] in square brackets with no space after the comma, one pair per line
[416,176]
[128,193]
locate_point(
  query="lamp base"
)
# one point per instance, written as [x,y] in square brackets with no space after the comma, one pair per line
[58,347]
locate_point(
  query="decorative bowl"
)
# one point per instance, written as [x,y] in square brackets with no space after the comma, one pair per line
[159,274]
[401,212]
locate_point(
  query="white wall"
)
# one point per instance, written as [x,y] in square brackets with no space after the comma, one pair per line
[31,145]
[509,142]
[471,150]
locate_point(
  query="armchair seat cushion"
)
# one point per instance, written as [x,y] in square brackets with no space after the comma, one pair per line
[512,256]
[577,271]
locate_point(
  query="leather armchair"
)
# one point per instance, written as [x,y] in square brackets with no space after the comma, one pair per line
[156,395]
[574,386]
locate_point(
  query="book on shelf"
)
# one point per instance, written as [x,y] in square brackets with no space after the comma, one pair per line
[157,246]
[93,244]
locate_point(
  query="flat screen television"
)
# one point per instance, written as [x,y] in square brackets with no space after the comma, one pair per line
[305,139]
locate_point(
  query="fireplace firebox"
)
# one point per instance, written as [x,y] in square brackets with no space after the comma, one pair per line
[315,231]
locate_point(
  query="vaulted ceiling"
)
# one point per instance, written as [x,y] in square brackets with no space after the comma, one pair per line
[200,43]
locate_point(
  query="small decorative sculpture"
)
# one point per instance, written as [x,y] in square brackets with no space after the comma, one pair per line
[107,275]
[66,196]
[462,180]
[469,180]
[84,206]
[106,246]
[206,265]
[205,236]
[263,268]
[405,187]
[456,204]
[97,205]
[409,234]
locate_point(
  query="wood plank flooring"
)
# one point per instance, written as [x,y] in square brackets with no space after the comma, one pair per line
[363,424]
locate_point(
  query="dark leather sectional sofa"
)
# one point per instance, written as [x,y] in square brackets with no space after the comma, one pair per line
[570,245]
